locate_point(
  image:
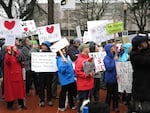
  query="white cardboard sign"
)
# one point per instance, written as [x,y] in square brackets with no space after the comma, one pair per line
[98,60]
[49,33]
[124,75]
[68,4]
[28,27]
[59,45]
[43,62]
[10,40]
[97,31]
[10,26]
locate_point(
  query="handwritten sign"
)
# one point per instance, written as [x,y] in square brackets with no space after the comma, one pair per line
[10,40]
[49,33]
[97,31]
[11,27]
[98,60]
[43,62]
[124,74]
[114,27]
[59,45]
[28,27]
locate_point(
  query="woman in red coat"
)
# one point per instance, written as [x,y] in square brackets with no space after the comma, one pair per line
[13,80]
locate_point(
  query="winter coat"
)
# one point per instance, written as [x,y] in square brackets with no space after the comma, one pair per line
[140,61]
[26,57]
[110,65]
[84,82]
[65,71]
[13,79]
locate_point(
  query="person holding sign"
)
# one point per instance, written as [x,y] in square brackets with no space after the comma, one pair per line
[67,81]
[84,70]
[111,76]
[45,80]
[13,79]
[140,60]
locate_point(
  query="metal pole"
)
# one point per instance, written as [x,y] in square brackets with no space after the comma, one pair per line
[125,19]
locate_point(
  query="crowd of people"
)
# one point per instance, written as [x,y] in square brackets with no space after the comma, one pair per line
[75,79]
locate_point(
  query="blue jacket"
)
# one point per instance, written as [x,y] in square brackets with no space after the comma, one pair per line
[110,74]
[125,56]
[65,71]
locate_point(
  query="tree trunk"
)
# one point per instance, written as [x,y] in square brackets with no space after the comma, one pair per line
[50,12]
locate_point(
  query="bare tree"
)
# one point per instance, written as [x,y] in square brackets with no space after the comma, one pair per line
[90,10]
[139,13]
[24,8]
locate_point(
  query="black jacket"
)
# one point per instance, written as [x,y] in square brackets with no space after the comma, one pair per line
[72,52]
[140,61]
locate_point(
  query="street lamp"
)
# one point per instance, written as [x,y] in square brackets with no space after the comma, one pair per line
[125,7]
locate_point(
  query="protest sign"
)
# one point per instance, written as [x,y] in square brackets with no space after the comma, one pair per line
[49,33]
[11,27]
[79,35]
[114,27]
[59,45]
[124,75]
[10,40]
[98,60]
[97,31]
[28,27]
[43,62]
[68,4]
[85,37]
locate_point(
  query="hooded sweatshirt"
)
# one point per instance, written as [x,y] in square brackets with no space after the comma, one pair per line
[109,62]
[125,56]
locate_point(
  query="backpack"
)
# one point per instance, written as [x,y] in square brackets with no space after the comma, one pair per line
[98,107]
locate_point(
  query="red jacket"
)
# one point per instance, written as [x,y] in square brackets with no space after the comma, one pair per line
[84,82]
[13,80]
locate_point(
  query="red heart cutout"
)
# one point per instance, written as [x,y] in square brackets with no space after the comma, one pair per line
[9,24]
[50,29]
[25,29]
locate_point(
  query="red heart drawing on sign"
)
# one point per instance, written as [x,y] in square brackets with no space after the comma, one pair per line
[50,29]
[25,29]
[9,24]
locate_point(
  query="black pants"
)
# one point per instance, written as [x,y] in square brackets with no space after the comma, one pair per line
[112,93]
[96,89]
[30,78]
[54,85]
[62,97]
[45,81]
[20,102]
[83,95]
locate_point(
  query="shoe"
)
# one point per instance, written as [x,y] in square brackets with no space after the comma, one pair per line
[42,104]
[50,103]
[62,109]
[74,108]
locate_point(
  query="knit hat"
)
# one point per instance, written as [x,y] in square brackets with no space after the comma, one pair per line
[91,46]
[77,40]
[82,47]
[137,40]
[47,43]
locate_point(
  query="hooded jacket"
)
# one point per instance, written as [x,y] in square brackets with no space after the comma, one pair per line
[109,62]
[65,71]
[125,56]
[84,82]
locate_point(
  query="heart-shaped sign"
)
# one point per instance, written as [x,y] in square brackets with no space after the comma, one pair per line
[9,24]
[25,29]
[50,29]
